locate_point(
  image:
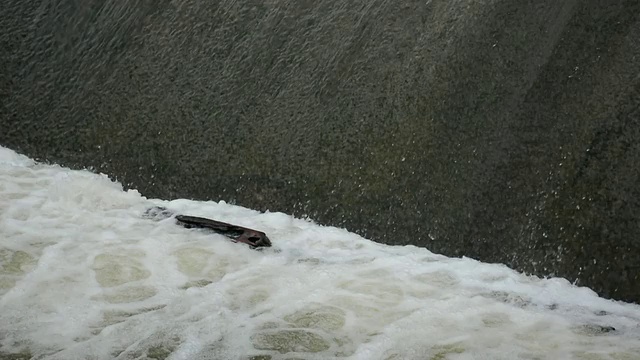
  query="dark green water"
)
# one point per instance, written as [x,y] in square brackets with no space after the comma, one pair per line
[505,131]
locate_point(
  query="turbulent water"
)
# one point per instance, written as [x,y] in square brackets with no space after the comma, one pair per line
[83,275]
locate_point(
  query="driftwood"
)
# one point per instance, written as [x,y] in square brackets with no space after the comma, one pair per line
[254,238]
[237,233]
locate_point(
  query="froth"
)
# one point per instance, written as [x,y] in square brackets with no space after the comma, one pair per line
[84,275]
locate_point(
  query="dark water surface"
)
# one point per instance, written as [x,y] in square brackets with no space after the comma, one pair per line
[506,131]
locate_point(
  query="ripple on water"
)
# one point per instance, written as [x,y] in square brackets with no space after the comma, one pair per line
[383,292]
[13,266]
[435,352]
[248,296]
[112,317]
[327,318]
[439,279]
[201,265]
[286,341]
[158,346]
[113,269]
[128,294]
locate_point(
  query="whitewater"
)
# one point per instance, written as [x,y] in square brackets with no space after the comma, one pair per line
[85,275]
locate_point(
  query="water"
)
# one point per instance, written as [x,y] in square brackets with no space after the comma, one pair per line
[83,275]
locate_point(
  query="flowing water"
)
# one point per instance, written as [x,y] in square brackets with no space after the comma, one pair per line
[84,275]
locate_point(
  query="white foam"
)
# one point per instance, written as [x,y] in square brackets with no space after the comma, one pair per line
[84,275]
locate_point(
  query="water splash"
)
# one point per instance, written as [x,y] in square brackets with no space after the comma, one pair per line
[84,275]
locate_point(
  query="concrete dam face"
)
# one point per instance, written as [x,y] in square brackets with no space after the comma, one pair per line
[499,130]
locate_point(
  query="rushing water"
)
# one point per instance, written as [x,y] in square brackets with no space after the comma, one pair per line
[83,275]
